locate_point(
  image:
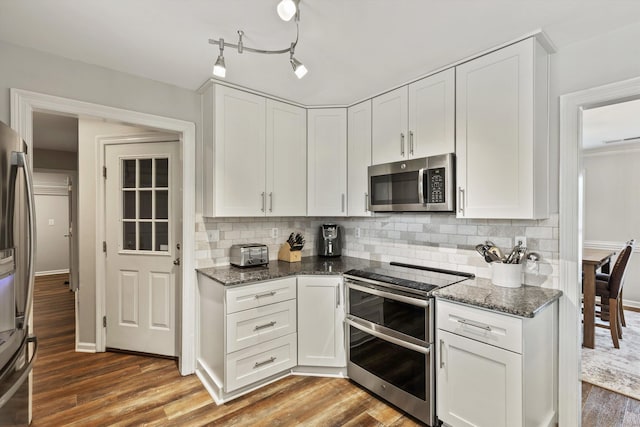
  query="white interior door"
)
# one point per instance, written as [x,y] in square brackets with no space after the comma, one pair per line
[142,228]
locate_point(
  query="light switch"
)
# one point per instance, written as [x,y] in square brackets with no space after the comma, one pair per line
[51,221]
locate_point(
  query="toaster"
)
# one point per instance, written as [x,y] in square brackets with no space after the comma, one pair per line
[249,255]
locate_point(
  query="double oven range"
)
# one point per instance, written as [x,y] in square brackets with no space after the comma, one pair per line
[391,333]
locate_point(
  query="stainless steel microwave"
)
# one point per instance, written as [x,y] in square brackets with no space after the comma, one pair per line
[417,185]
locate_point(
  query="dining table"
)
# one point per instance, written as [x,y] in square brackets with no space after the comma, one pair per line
[592,260]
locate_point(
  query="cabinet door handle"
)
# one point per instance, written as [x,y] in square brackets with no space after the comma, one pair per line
[441,358]
[266,362]
[343,202]
[263,202]
[475,324]
[366,202]
[266,294]
[461,200]
[402,144]
[411,142]
[266,325]
[338,295]
[270,202]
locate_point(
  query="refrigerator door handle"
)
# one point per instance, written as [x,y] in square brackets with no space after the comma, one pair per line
[22,374]
[21,161]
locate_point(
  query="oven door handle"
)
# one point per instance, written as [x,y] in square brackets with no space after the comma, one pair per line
[385,337]
[401,298]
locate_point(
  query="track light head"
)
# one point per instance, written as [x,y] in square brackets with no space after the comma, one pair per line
[287,9]
[298,67]
[219,68]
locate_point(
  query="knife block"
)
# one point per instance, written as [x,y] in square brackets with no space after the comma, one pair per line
[286,254]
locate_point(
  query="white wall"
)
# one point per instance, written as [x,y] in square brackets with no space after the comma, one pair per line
[36,71]
[612,203]
[609,58]
[52,222]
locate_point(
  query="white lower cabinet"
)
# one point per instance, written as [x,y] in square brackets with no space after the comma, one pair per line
[321,316]
[496,370]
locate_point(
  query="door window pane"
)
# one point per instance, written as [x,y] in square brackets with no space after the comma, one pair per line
[145,173]
[162,204]
[162,172]
[129,173]
[129,236]
[162,236]
[129,205]
[146,236]
[145,204]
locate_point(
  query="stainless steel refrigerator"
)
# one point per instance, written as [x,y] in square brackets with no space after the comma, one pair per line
[17,246]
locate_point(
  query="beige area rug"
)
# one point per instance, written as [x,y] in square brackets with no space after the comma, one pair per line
[611,368]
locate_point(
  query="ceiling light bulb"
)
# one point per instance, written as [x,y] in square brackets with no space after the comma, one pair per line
[298,68]
[286,9]
[219,69]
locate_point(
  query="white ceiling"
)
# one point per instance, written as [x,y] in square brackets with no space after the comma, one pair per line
[353,49]
[613,123]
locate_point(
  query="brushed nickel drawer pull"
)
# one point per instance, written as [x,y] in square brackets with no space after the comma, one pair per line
[266,294]
[266,362]
[266,325]
[474,324]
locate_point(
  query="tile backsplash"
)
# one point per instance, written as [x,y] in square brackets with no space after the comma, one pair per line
[435,240]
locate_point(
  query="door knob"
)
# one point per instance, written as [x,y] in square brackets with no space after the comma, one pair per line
[176,261]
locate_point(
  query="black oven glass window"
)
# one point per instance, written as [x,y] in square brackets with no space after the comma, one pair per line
[397,188]
[404,368]
[399,316]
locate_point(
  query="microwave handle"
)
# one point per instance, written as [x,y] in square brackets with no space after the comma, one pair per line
[421,186]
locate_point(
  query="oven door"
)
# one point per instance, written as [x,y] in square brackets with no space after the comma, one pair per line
[390,346]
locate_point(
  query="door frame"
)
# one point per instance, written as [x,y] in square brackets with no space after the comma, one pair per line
[571,237]
[23,104]
[101,259]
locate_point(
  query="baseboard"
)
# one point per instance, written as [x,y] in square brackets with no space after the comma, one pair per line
[85,347]
[51,272]
[631,305]
[317,371]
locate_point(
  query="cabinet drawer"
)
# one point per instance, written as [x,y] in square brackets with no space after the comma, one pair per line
[258,362]
[261,324]
[481,325]
[260,294]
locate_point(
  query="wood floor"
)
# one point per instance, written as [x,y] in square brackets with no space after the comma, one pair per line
[102,389]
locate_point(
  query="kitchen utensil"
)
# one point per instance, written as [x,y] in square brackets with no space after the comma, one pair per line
[496,252]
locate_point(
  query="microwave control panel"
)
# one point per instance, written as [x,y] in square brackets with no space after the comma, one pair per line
[435,185]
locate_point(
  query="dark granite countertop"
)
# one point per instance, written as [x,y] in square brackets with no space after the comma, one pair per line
[524,301]
[313,265]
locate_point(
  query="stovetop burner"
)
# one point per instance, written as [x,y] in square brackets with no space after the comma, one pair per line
[414,277]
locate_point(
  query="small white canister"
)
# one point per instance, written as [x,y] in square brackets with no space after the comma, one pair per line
[506,275]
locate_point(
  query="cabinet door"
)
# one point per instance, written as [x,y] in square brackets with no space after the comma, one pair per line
[389,136]
[286,160]
[432,115]
[321,321]
[327,162]
[358,158]
[494,131]
[478,384]
[239,153]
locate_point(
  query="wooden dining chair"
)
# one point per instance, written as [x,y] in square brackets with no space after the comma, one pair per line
[605,277]
[610,293]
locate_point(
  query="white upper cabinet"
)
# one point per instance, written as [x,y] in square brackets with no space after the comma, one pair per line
[417,120]
[286,184]
[432,115]
[255,155]
[502,133]
[327,162]
[390,112]
[358,158]
[240,150]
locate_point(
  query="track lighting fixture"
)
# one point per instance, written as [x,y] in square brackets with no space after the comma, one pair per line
[219,69]
[286,9]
